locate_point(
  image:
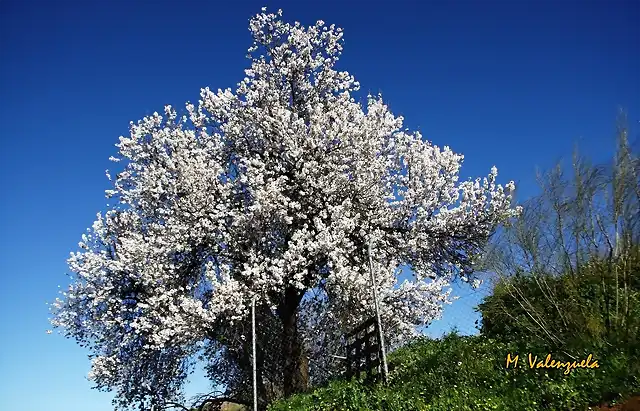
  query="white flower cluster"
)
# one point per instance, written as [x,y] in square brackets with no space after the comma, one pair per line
[279,184]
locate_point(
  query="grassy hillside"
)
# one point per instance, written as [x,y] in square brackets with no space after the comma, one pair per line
[469,373]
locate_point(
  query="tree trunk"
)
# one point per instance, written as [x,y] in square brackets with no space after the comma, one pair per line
[263,396]
[296,370]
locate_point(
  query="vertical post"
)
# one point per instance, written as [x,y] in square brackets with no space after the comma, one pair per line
[253,339]
[385,370]
[358,357]
[349,361]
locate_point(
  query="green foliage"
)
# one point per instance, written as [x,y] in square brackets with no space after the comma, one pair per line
[572,311]
[468,373]
[578,311]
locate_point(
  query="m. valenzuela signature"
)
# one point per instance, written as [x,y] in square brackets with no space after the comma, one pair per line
[549,362]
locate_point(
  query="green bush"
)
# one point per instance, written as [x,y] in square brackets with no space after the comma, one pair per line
[576,313]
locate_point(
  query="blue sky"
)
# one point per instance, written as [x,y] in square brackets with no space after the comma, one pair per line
[510,83]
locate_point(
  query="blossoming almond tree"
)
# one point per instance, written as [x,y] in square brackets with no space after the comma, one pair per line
[272,190]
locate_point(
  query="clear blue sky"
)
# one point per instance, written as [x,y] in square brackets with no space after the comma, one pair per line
[510,83]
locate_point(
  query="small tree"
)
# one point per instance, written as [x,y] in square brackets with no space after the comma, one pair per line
[276,190]
[569,263]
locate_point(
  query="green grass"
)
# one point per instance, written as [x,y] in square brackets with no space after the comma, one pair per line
[468,373]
